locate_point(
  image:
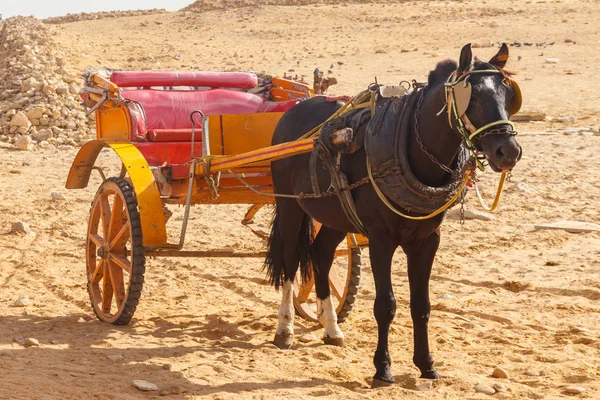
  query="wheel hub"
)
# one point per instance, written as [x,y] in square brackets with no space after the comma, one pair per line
[102,252]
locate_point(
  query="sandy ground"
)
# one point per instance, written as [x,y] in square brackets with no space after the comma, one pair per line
[503,294]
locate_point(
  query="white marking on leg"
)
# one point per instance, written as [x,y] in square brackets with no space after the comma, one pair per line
[328,318]
[286,310]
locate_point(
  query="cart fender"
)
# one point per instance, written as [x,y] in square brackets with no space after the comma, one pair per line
[145,187]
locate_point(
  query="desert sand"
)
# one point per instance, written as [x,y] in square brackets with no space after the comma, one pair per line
[503,294]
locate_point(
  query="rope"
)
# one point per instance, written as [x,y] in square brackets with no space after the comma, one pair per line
[496,199]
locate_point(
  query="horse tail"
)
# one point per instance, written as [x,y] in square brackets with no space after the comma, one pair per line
[275,261]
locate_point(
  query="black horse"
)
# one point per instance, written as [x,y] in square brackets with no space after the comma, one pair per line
[491,100]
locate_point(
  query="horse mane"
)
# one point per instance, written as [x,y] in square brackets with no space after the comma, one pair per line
[444,68]
[479,65]
[442,71]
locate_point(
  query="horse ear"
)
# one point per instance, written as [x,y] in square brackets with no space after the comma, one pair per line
[499,60]
[466,56]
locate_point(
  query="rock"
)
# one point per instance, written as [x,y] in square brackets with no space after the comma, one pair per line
[551,60]
[579,329]
[480,215]
[483,388]
[42,135]
[21,227]
[532,372]
[115,357]
[500,373]
[308,337]
[425,386]
[21,301]
[20,120]
[574,389]
[498,387]
[37,113]
[167,367]
[144,386]
[58,196]
[170,389]
[24,143]
[31,342]
[6,353]
[569,226]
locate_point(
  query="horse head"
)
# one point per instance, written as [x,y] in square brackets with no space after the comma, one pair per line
[480,99]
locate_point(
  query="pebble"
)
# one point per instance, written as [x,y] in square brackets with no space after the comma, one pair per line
[144,386]
[469,214]
[425,386]
[115,357]
[498,387]
[167,367]
[532,372]
[6,353]
[500,373]
[574,389]
[551,60]
[21,301]
[31,342]
[58,196]
[308,337]
[21,227]
[483,388]
[579,329]
[170,389]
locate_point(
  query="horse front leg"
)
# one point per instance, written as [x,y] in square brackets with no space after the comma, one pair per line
[381,251]
[420,257]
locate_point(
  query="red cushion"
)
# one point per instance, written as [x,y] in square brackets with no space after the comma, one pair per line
[278,106]
[171,109]
[241,80]
[175,135]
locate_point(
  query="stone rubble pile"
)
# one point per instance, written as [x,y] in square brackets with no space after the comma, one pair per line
[101,15]
[39,101]
[212,5]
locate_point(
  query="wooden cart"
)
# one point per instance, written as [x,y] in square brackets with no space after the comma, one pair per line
[148,119]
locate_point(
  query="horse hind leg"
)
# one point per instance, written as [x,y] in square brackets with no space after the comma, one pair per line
[288,247]
[322,255]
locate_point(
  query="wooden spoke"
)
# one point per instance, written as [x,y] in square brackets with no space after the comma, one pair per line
[116,279]
[116,218]
[335,283]
[107,290]
[121,261]
[105,214]
[120,237]
[98,272]
[97,239]
[304,289]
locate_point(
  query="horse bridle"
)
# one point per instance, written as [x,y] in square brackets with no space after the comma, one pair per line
[458,95]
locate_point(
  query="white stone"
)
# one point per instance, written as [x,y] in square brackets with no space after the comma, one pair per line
[569,226]
[31,342]
[574,389]
[58,196]
[483,388]
[425,386]
[308,337]
[144,385]
[500,373]
[480,215]
[21,227]
[42,134]
[115,357]
[20,120]
[21,301]
[7,353]
[552,60]
[24,143]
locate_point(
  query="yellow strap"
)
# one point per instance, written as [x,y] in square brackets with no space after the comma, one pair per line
[500,122]
[433,214]
[498,193]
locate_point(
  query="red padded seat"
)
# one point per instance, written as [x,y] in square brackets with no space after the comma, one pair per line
[240,80]
[278,106]
[171,109]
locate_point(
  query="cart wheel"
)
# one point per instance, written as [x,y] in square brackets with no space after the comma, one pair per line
[115,252]
[344,278]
